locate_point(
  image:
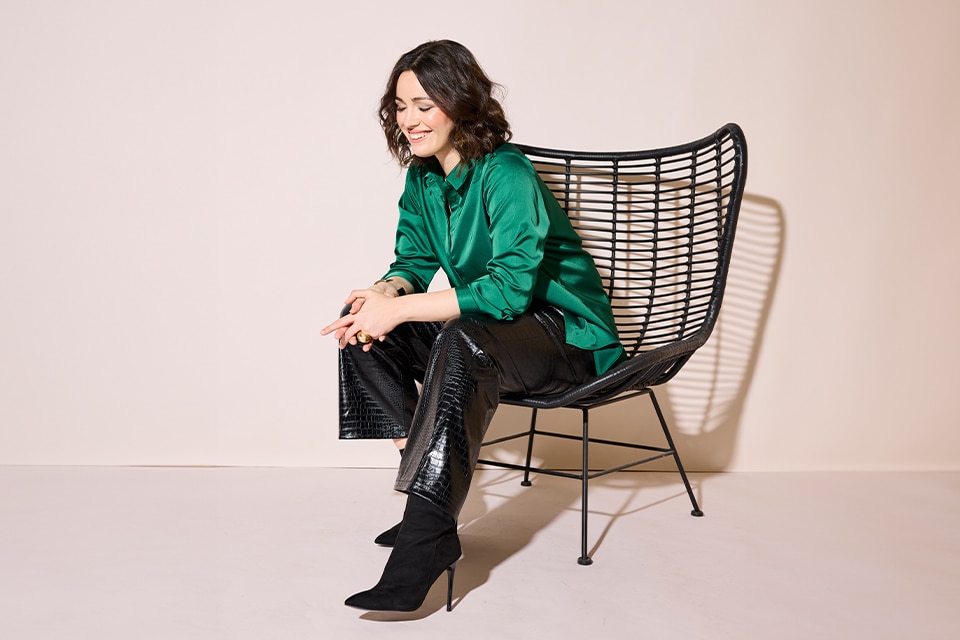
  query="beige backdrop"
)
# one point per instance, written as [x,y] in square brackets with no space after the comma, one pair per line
[189,189]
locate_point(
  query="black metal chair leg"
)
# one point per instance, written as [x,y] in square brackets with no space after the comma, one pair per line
[676,456]
[526,472]
[584,559]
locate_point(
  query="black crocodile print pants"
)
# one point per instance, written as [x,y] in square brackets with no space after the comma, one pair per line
[464,366]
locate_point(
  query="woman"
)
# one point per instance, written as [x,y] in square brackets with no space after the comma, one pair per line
[525,311]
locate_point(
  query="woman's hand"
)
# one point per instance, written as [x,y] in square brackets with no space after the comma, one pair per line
[392,287]
[377,314]
[371,312]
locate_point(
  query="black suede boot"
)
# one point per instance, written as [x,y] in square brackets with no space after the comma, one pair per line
[389,537]
[426,546]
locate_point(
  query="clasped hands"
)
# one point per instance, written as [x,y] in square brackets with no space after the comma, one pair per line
[370,319]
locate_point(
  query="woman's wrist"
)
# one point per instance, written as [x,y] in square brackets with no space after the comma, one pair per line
[393,286]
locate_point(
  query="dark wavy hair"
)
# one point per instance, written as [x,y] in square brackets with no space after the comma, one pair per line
[453,79]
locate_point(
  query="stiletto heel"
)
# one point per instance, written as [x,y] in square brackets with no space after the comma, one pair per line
[450,571]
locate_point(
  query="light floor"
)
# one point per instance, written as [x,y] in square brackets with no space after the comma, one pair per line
[244,553]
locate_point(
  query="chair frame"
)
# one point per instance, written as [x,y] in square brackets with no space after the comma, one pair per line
[680,204]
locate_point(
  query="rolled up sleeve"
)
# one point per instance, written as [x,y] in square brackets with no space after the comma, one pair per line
[414,259]
[518,230]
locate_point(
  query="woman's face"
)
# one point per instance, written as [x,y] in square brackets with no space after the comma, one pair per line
[423,123]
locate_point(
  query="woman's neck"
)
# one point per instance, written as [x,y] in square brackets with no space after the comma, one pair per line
[448,161]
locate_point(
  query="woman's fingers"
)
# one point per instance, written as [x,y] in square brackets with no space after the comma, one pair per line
[345,328]
[336,325]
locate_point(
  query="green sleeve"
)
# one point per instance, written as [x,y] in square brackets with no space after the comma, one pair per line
[414,258]
[518,224]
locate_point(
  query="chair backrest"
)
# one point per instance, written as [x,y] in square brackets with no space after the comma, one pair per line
[660,226]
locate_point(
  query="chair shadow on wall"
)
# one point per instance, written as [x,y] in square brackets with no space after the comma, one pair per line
[703,406]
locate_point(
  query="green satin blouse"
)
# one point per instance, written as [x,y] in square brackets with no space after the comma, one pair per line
[502,240]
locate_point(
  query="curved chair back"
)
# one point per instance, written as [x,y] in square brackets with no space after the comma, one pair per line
[660,226]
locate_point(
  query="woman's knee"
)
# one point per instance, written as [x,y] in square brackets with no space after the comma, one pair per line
[468,334]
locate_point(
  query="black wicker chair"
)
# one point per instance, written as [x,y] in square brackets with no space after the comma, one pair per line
[660,225]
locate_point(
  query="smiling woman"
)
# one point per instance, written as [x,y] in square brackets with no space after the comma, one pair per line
[449,78]
[525,310]
[426,127]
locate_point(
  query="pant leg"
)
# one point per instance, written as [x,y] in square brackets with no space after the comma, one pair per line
[378,388]
[474,360]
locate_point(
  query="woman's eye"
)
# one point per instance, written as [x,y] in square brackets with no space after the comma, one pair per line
[425,109]
[399,108]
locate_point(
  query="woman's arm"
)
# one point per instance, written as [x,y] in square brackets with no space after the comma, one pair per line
[377,315]
[518,228]
[415,261]
[372,310]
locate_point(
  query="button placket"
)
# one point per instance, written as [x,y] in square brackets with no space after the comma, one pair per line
[451,200]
